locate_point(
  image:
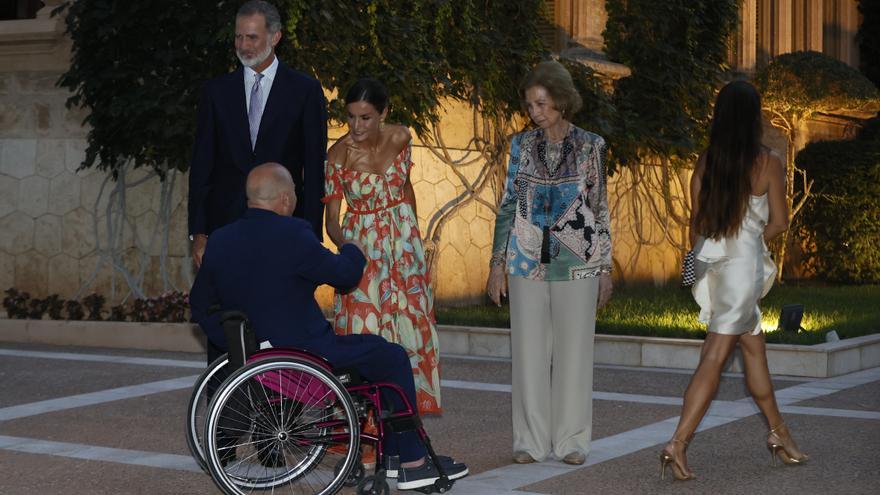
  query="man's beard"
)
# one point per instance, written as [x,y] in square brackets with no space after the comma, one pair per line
[257,60]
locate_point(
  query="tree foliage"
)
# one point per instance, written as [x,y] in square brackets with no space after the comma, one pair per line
[842,222]
[677,51]
[798,85]
[138,66]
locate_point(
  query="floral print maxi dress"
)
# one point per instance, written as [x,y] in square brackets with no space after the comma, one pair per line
[394,298]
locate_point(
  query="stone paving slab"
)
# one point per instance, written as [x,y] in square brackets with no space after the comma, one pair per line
[836,420]
[733,459]
[863,398]
[124,424]
[27,380]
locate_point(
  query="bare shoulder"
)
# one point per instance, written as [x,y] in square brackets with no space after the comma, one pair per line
[771,165]
[398,135]
[774,161]
[339,151]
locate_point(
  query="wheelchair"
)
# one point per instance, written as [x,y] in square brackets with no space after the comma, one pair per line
[284,420]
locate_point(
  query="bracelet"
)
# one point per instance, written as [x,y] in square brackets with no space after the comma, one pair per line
[497,259]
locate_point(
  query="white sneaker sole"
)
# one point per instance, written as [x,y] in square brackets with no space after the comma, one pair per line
[412,485]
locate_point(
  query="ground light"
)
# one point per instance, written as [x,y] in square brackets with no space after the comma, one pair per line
[790,318]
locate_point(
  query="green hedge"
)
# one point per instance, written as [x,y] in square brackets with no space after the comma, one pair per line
[841,222]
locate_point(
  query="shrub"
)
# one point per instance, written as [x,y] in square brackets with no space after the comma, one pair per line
[74,310]
[54,306]
[842,222]
[16,303]
[94,303]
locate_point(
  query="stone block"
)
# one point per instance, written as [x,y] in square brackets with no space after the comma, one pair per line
[74,122]
[64,193]
[844,361]
[91,187]
[33,195]
[489,344]
[32,273]
[476,270]
[607,351]
[50,157]
[444,191]
[38,82]
[74,154]
[18,233]
[140,199]
[148,236]
[178,235]
[8,195]
[469,212]
[425,200]
[869,357]
[791,362]
[453,341]
[78,233]
[11,118]
[42,118]
[481,231]
[18,157]
[7,271]
[47,235]
[96,275]
[63,275]
[661,355]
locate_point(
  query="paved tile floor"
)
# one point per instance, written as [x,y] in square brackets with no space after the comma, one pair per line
[99,421]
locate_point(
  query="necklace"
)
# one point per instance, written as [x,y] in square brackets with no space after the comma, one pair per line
[553,155]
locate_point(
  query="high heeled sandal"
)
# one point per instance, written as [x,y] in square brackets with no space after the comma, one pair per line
[678,472]
[778,449]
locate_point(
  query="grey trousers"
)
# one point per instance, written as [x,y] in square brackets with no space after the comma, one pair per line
[552,329]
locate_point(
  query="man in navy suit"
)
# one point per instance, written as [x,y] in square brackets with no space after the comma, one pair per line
[268,265]
[262,112]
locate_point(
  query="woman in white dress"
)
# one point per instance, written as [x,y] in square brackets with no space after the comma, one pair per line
[738,193]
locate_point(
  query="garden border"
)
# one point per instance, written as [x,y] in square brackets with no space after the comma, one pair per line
[816,361]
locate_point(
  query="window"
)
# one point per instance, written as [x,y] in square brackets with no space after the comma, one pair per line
[19,9]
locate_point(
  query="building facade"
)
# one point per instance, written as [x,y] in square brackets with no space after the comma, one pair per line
[57,234]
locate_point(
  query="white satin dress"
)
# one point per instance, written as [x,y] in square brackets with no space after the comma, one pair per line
[734,273]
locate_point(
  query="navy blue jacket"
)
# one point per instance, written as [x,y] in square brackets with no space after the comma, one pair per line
[293,132]
[268,266]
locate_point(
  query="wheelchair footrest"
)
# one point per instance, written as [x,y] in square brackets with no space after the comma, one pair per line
[439,486]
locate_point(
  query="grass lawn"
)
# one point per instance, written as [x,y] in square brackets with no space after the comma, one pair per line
[671,312]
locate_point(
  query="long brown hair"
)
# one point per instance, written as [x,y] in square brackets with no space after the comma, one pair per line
[734,145]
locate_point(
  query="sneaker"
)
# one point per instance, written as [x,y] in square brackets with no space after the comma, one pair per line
[426,475]
[392,464]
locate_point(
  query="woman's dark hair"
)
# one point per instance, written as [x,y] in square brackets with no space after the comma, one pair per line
[370,91]
[734,145]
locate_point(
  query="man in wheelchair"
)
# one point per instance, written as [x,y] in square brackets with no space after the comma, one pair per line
[268,265]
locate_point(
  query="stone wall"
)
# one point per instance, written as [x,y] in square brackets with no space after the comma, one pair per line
[54,219]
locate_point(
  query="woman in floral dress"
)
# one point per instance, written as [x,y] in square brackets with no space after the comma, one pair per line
[369,167]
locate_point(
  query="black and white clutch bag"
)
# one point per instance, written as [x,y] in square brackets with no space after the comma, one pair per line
[688,276]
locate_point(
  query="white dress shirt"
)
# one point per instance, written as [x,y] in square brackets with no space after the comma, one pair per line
[265,83]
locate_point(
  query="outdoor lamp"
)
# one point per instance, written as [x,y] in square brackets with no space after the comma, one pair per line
[790,318]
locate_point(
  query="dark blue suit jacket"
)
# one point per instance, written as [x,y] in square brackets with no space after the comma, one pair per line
[293,132]
[268,266]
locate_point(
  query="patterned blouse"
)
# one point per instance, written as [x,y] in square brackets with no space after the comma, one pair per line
[553,221]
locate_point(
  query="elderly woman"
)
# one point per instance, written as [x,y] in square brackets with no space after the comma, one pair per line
[552,250]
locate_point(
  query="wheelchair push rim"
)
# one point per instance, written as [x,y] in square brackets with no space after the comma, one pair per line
[196,411]
[281,421]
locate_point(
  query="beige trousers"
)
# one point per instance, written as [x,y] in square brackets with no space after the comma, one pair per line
[552,328]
